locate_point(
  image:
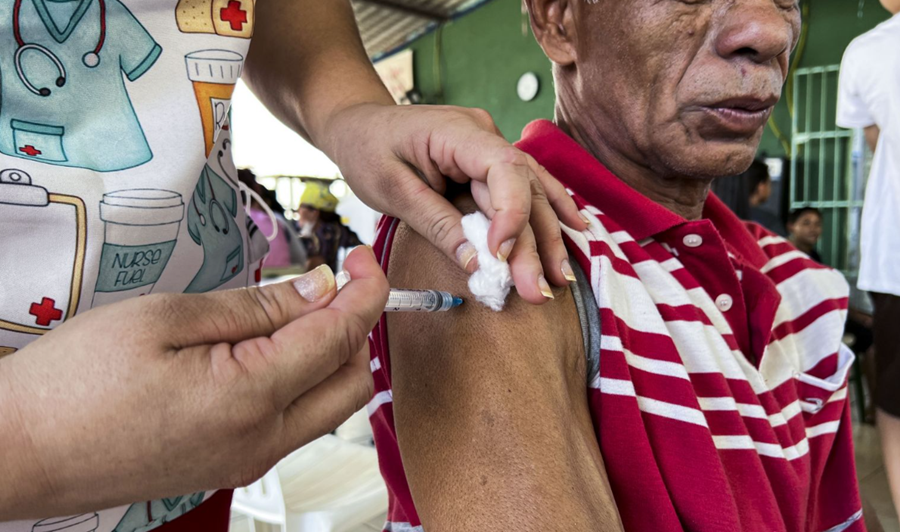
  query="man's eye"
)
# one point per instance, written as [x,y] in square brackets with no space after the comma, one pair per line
[788,4]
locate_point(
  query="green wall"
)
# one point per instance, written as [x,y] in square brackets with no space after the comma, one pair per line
[486,52]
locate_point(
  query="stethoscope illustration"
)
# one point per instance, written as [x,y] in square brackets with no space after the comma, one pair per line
[90,59]
[213,206]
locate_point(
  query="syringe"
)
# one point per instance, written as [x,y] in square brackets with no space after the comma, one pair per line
[400,300]
[421,301]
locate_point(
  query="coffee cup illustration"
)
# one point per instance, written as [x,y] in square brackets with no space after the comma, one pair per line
[141,228]
[77,523]
[213,74]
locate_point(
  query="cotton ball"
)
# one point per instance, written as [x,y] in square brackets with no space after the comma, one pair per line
[491,283]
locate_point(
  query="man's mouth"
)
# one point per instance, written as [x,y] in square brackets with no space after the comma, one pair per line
[743,116]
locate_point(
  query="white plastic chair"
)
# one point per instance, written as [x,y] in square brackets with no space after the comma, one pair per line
[261,501]
[330,485]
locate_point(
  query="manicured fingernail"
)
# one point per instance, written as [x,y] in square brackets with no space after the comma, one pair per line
[545,287]
[341,279]
[584,218]
[505,249]
[567,271]
[465,256]
[315,285]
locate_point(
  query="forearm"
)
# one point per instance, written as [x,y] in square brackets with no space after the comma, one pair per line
[24,477]
[872,133]
[307,63]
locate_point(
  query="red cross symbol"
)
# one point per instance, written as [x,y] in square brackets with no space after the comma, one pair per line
[234,15]
[30,150]
[45,312]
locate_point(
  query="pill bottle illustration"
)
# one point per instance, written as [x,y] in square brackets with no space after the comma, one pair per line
[213,74]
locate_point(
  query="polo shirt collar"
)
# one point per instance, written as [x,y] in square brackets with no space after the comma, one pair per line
[642,218]
[578,170]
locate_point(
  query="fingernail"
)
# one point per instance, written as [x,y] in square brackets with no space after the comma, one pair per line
[567,271]
[505,249]
[545,287]
[315,285]
[584,218]
[341,279]
[362,246]
[465,255]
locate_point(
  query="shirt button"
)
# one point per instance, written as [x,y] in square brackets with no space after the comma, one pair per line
[724,302]
[693,241]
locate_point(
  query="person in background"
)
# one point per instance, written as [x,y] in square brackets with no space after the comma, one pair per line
[868,98]
[286,250]
[759,189]
[321,230]
[804,227]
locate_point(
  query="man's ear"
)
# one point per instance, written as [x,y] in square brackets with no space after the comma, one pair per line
[553,24]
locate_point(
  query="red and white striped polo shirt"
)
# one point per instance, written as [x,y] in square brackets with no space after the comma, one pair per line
[721,398]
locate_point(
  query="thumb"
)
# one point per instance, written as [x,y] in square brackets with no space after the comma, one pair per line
[236,315]
[436,219]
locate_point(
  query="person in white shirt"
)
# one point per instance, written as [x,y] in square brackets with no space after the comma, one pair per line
[868,98]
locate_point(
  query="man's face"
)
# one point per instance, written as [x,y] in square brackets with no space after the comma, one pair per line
[684,86]
[807,229]
[308,215]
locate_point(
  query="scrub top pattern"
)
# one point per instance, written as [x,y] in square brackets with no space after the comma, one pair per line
[81,114]
[117,178]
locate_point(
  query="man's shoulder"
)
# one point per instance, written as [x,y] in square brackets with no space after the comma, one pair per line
[870,45]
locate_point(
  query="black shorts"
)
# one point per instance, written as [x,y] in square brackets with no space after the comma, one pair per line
[887,352]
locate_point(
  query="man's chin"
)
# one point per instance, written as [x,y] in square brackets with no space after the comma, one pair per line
[714,159]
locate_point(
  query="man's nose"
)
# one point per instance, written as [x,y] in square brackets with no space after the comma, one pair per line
[758,30]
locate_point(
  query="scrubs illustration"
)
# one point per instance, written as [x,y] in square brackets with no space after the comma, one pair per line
[63,68]
[212,224]
[146,516]
[40,228]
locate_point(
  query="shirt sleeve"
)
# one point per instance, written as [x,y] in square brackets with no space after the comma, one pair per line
[852,111]
[138,51]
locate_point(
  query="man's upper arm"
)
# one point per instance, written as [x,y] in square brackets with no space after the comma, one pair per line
[491,408]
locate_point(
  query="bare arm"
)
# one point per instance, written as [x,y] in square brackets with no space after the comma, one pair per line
[307,62]
[872,132]
[491,409]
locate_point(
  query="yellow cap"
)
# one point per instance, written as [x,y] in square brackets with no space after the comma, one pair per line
[317,196]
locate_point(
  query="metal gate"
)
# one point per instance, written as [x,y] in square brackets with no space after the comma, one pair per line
[828,166]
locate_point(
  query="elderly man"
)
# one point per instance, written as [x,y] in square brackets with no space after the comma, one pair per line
[693,377]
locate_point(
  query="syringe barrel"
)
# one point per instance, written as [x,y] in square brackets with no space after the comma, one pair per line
[418,301]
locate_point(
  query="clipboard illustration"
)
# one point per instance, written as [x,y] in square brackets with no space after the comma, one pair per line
[48,234]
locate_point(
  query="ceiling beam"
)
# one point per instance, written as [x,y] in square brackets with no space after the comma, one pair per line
[412,10]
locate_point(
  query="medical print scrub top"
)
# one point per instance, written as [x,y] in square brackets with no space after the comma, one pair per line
[117,180]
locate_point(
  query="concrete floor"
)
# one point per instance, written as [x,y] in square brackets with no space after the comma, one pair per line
[872,476]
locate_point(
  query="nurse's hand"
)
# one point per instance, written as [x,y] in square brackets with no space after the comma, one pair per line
[397,160]
[170,394]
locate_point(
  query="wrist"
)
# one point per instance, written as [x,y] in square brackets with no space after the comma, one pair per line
[349,115]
